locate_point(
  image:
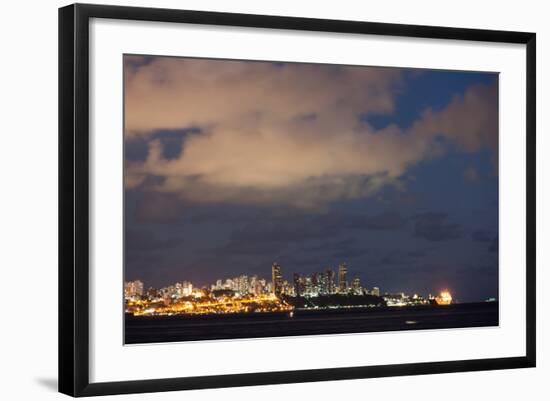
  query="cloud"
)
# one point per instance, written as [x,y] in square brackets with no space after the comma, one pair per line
[290,228]
[158,208]
[286,134]
[402,257]
[416,253]
[171,93]
[344,249]
[140,240]
[482,236]
[394,258]
[470,120]
[471,175]
[349,253]
[389,220]
[435,227]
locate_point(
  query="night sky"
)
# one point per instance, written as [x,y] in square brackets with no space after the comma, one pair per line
[233,165]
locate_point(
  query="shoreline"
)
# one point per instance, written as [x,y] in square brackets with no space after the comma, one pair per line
[298,312]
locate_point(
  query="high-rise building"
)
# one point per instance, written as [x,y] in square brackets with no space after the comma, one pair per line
[152,293]
[276,279]
[263,286]
[342,280]
[133,288]
[235,284]
[331,287]
[242,284]
[308,286]
[322,284]
[178,290]
[228,284]
[288,288]
[186,289]
[375,291]
[253,285]
[356,286]
[315,280]
[298,285]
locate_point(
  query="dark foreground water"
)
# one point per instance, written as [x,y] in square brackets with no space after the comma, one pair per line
[188,328]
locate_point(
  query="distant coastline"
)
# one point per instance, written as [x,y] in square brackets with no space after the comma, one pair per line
[322,311]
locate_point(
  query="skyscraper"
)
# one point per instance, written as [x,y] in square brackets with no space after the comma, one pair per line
[308,285]
[315,284]
[298,291]
[356,286]
[330,281]
[342,281]
[276,279]
[253,285]
[242,284]
[322,284]
[187,288]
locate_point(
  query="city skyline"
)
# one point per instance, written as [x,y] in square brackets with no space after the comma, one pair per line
[244,294]
[318,284]
[322,280]
[231,165]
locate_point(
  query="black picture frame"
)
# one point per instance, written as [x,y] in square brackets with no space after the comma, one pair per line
[74,202]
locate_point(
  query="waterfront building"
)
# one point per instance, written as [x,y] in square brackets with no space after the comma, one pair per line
[133,289]
[331,286]
[242,284]
[356,286]
[308,285]
[342,278]
[322,284]
[276,279]
[186,288]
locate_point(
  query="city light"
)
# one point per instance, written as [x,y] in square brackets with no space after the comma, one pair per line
[244,294]
[444,298]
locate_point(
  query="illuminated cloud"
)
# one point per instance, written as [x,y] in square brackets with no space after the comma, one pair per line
[169,93]
[286,134]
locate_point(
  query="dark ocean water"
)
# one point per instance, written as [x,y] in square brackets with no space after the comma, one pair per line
[191,328]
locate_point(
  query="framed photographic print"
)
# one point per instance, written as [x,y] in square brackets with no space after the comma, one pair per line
[278,199]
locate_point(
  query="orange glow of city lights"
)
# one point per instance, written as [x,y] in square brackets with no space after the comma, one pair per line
[444,298]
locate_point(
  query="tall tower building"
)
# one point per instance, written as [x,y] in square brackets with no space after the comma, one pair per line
[342,280]
[322,284]
[308,286]
[356,286]
[330,281]
[242,284]
[276,279]
[298,290]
